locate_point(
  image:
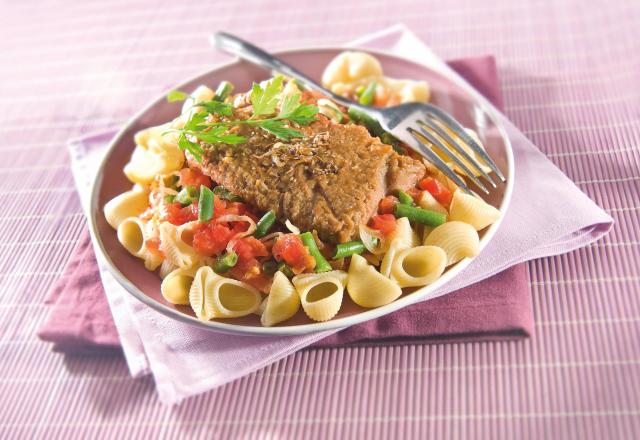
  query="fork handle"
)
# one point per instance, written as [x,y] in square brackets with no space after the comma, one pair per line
[247,51]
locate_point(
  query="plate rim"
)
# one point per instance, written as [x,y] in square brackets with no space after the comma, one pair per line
[314,327]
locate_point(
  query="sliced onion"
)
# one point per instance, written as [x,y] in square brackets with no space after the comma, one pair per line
[291,227]
[270,236]
[239,235]
[368,236]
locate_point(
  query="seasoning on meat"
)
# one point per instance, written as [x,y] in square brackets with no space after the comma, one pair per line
[331,180]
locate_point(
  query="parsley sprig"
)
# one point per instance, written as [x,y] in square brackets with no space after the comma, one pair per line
[264,97]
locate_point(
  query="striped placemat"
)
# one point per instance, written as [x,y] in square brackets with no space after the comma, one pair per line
[570,78]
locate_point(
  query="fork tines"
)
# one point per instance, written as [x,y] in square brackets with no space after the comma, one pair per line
[434,133]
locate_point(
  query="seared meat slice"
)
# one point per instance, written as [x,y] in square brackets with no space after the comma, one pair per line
[331,180]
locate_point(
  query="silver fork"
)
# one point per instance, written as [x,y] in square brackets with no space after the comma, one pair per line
[421,126]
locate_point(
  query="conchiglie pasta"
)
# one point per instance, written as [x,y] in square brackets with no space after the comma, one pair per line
[321,294]
[350,68]
[177,250]
[231,298]
[282,303]
[166,268]
[458,239]
[473,210]
[418,266]
[156,153]
[369,288]
[176,285]
[132,234]
[128,204]
[403,237]
[201,293]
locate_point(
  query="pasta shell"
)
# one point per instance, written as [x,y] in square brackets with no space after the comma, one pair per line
[282,303]
[458,239]
[403,237]
[418,266]
[321,294]
[229,298]
[473,210]
[200,292]
[156,152]
[176,286]
[176,249]
[351,67]
[369,288]
[128,204]
[166,268]
[132,236]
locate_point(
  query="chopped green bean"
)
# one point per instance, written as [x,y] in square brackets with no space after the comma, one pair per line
[360,117]
[419,215]
[187,195]
[265,224]
[360,90]
[169,198]
[285,269]
[348,249]
[225,262]
[322,265]
[223,91]
[205,204]
[366,98]
[405,198]
[225,194]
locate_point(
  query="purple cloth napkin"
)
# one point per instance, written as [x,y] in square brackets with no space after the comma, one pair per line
[496,308]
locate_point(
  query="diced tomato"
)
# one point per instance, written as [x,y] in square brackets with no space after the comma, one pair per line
[211,238]
[250,272]
[177,215]
[153,244]
[385,223]
[219,207]
[387,205]
[193,178]
[250,247]
[289,248]
[439,192]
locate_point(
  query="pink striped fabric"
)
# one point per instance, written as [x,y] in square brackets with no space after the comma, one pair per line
[570,79]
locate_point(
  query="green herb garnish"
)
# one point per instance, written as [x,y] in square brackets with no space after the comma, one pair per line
[264,99]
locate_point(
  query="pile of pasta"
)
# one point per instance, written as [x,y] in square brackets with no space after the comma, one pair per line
[351,70]
[411,256]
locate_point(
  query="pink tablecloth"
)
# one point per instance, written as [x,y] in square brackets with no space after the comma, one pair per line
[570,75]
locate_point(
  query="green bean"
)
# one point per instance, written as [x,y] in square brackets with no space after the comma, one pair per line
[205,204]
[265,224]
[405,198]
[169,198]
[322,265]
[186,195]
[225,262]
[366,98]
[387,138]
[360,117]
[419,215]
[348,249]
[225,194]
[223,91]
[360,90]
[285,269]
